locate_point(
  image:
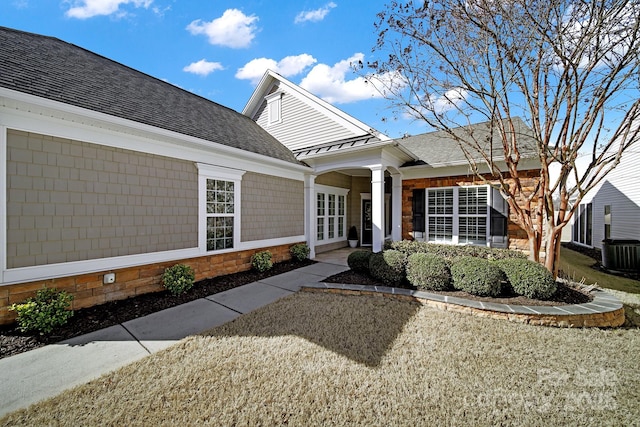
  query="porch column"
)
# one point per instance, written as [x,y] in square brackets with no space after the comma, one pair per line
[377,206]
[310,214]
[396,207]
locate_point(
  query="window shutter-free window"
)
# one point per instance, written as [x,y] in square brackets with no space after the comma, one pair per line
[219,199]
[220,214]
[331,213]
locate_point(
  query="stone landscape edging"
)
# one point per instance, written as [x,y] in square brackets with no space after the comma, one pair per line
[604,311]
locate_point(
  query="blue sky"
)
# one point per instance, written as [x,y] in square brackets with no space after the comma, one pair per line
[219,49]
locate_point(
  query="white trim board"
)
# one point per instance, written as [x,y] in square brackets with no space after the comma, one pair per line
[54,271]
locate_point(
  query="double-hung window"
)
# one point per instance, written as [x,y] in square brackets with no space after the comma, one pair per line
[458,215]
[472,215]
[440,215]
[219,193]
[331,213]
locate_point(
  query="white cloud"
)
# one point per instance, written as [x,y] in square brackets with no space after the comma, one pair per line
[447,101]
[287,67]
[314,15]
[84,9]
[331,84]
[203,67]
[233,29]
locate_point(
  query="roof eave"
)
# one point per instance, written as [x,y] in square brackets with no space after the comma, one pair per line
[127,123]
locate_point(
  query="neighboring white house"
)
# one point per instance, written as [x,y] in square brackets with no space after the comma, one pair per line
[612,209]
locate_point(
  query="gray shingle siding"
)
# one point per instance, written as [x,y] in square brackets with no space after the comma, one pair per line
[53,69]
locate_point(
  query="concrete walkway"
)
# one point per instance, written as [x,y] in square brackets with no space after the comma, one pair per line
[45,372]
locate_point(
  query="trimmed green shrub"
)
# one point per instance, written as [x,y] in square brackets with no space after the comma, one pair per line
[428,272]
[178,278]
[477,276]
[528,278]
[44,312]
[299,252]
[388,267]
[358,261]
[261,261]
[451,252]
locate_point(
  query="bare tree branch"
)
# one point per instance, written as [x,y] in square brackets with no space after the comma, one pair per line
[569,68]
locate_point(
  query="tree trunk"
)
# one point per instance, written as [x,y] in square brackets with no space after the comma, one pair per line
[552,249]
[535,242]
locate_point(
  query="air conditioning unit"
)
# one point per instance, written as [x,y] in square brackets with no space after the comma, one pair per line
[621,255]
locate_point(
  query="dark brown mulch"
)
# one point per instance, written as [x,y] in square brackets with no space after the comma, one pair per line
[86,320]
[564,295]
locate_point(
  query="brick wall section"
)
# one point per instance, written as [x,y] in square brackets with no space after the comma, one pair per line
[271,207]
[71,201]
[517,236]
[89,290]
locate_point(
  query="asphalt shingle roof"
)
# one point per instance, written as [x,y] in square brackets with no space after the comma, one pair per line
[441,149]
[53,69]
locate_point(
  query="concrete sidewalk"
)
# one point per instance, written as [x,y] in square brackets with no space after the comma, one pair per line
[45,372]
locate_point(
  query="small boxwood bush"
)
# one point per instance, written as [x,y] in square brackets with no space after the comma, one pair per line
[261,261]
[178,278]
[388,267]
[44,312]
[477,276]
[358,261]
[428,272]
[528,278]
[299,252]
[451,252]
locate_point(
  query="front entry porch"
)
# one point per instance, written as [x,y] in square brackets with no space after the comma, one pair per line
[369,200]
[355,182]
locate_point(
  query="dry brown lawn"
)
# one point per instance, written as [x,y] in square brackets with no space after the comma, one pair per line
[324,359]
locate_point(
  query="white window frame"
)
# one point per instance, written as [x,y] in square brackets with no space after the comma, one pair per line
[477,215]
[207,172]
[432,217]
[455,215]
[324,219]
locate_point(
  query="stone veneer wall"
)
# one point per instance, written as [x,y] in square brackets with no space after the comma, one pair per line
[517,236]
[71,201]
[88,289]
[271,207]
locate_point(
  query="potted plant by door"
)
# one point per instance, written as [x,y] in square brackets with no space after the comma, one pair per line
[352,237]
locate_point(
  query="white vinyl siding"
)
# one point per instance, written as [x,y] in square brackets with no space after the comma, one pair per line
[296,120]
[621,192]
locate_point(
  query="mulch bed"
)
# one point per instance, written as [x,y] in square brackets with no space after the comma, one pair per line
[86,320]
[564,295]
